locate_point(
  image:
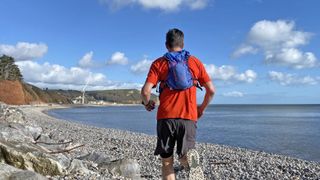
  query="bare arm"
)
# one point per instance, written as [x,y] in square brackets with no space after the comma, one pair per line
[210,90]
[145,96]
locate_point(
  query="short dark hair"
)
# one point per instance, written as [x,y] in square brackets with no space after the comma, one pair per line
[175,38]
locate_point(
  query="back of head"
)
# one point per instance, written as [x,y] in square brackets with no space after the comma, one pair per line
[174,38]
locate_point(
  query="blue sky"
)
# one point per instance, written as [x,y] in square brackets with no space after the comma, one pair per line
[256,51]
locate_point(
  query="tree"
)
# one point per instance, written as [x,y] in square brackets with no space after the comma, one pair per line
[8,69]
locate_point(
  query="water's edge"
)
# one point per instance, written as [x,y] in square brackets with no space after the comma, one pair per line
[203,132]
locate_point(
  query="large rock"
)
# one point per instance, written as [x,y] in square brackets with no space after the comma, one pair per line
[26,151]
[18,148]
[30,157]
[8,172]
[13,125]
[18,132]
[14,132]
[96,157]
[26,147]
[77,166]
[26,175]
[128,168]
[34,131]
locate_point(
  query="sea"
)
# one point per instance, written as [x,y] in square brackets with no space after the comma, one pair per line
[292,130]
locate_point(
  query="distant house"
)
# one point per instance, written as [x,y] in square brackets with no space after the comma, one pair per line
[77,100]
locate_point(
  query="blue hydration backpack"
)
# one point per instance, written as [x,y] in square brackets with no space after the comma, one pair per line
[179,75]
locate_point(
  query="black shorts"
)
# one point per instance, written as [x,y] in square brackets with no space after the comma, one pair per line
[170,131]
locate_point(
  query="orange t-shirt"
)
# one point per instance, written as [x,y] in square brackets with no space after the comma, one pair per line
[177,103]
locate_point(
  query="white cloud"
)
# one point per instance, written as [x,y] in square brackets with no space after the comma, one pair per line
[141,67]
[292,79]
[248,76]
[57,74]
[118,58]
[229,73]
[280,33]
[116,4]
[198,4]
[233,94]
[165,5]
[244,49]
[293,57]
[279,41]
[54,76]
[86,60]
[23,51]
[160,4]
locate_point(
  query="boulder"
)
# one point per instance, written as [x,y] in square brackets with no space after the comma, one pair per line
[34,131]
[14,132]
[77,166]
[128,168]
[13,128]
[96,157]
[30,157]
[8,172]
[26,175]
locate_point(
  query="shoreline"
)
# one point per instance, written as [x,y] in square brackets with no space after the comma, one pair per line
[55,114]
[218,161]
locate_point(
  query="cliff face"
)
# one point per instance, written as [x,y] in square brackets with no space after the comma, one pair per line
[19,93]
[14,92]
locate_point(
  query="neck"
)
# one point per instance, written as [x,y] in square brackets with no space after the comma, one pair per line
[175,49]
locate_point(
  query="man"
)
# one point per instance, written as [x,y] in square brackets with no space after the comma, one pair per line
[178,111]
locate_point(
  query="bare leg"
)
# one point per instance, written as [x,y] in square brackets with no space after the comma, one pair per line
[184,161]
[167,169]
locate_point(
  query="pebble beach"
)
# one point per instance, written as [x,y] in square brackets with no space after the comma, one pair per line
[218,162]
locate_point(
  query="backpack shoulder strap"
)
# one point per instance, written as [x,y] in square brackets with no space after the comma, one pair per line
[195,79]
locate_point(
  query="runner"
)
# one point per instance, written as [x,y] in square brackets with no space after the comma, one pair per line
[179,74]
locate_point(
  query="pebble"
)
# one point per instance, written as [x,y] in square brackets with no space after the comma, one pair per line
[218,161]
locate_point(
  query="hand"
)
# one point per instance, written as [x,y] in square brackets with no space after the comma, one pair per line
[150,105]
[200,111]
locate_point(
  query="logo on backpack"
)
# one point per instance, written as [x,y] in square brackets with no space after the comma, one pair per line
[179,75]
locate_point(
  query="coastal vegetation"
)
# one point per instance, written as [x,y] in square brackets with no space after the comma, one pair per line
[8,69]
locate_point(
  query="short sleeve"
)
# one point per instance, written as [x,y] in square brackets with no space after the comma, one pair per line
[153,75]
[203,75]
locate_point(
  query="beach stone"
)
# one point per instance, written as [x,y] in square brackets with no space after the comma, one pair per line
[34,131]
[96,157]
[19,132]
[26,175]
[63,160]
[104,145]
[45,138]
[14,115]
[128,168]
[29,157]
[14,132]
[8,172]
[77,166]
[3,109]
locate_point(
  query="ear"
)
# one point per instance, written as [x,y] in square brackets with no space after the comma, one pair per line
[167,46]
